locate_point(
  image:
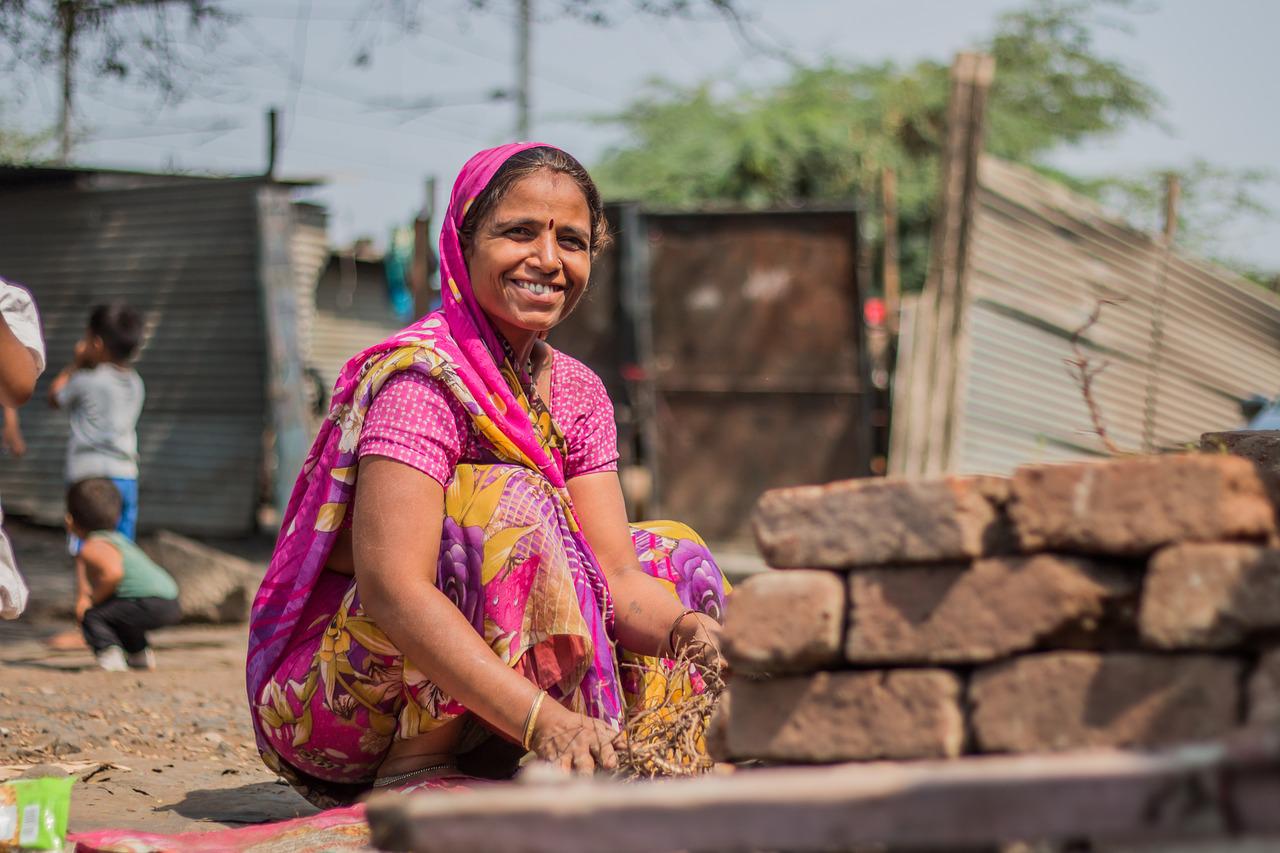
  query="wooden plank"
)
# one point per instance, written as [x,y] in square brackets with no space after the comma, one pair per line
[1195,792]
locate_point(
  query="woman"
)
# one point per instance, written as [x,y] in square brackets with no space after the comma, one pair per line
[455,560]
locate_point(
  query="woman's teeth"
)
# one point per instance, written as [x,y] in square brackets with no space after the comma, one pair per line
[537,289]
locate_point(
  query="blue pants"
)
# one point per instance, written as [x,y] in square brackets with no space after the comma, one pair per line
[128,506]
[128,523]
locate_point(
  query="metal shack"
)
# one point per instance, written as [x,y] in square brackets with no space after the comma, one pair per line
[222,269]
[1019,266]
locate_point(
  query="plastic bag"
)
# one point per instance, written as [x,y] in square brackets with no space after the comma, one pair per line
[33,813]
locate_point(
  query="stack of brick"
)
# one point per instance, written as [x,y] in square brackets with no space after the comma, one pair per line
[1126,603]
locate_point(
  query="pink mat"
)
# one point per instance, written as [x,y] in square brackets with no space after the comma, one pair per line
[335,829]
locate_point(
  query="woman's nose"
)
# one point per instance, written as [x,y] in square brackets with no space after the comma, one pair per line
[545,253]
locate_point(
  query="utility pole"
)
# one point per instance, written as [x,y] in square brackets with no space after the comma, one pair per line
[67,18]
[524,37]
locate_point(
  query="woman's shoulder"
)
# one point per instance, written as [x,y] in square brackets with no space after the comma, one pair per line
[570,373]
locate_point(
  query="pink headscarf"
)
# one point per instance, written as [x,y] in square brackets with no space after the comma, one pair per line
[456,344]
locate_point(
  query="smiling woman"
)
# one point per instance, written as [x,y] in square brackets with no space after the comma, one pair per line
[456,552]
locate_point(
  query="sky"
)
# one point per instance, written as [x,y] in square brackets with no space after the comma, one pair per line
[1210,60]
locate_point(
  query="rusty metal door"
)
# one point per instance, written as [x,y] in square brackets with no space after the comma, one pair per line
[757,359]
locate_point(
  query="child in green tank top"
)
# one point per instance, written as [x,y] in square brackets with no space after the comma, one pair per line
[121,594]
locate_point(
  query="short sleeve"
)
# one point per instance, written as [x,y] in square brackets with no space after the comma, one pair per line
[69,394]
[411,421]
[20,313]
[582,408]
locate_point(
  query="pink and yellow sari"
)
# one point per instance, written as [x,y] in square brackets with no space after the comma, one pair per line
[327,690]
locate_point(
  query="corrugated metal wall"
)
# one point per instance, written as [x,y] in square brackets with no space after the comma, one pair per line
[185,253]
[352,312]
[1186,343]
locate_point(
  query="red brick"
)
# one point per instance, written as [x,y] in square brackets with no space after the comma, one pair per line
[1210,596]
[1135,505]
[1072,700]
[977,613]
[847,716]
[877,521]
[785,622]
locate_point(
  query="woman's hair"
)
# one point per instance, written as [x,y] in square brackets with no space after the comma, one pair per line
[119,326]
[94,504]
[522,165]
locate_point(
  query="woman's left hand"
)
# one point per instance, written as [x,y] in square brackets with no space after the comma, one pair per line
[700,635]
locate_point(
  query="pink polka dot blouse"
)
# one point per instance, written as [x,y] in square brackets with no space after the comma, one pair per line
[415,420]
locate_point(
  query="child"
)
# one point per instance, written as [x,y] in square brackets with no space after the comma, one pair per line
[103,395]
[120,593]
[21,363]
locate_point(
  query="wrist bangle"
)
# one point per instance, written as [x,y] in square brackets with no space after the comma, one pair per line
[671,635]
[532,718]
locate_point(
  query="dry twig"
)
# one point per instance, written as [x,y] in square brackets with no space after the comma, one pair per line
[665,731]
[1084,372]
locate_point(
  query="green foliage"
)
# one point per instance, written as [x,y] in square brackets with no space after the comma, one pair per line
[824,134]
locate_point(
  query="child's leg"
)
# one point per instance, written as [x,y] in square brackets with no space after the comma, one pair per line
[101,624]
[128,506]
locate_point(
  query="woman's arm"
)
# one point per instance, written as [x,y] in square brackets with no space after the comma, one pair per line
[645,609]
[399,513]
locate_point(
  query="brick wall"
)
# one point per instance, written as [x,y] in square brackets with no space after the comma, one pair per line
[1127,603]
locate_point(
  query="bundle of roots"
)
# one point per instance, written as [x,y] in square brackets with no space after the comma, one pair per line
[666,729]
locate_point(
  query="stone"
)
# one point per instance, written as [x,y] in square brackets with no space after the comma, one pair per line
[879,521]
[1210,596]
[976,613]
[791,621]
[1259,446]
[1263,698]
[1074,700]
[213,586]
[1132,506]
[847,716]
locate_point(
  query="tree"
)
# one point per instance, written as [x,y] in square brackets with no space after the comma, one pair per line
[113,38]
[826,133]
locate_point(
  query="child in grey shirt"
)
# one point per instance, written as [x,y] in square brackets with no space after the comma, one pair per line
[103,396]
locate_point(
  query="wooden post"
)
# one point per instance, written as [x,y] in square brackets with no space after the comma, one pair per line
[889,258]
[1151,410]
[273,137]
[420,271]
[925,428]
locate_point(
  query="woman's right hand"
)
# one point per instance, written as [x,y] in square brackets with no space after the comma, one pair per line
[574,741]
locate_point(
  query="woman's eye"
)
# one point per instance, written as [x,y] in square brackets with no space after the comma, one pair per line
[519,231]
[572,243]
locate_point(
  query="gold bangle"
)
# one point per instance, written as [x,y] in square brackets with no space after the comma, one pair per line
[671,635]
[532,718]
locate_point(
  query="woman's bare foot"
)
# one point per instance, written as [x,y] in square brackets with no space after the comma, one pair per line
[435,749]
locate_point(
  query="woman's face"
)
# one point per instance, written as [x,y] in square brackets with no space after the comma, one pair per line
[529,262]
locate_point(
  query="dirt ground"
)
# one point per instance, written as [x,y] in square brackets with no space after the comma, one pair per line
[166,751]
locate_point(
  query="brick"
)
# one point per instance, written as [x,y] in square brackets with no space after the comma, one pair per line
[1073,700]
[213,586]
[1210,596]
[977,613]
[1264,689]
[1259,446]
[1134,506]
[847,716]
[877,521]
[780,622]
